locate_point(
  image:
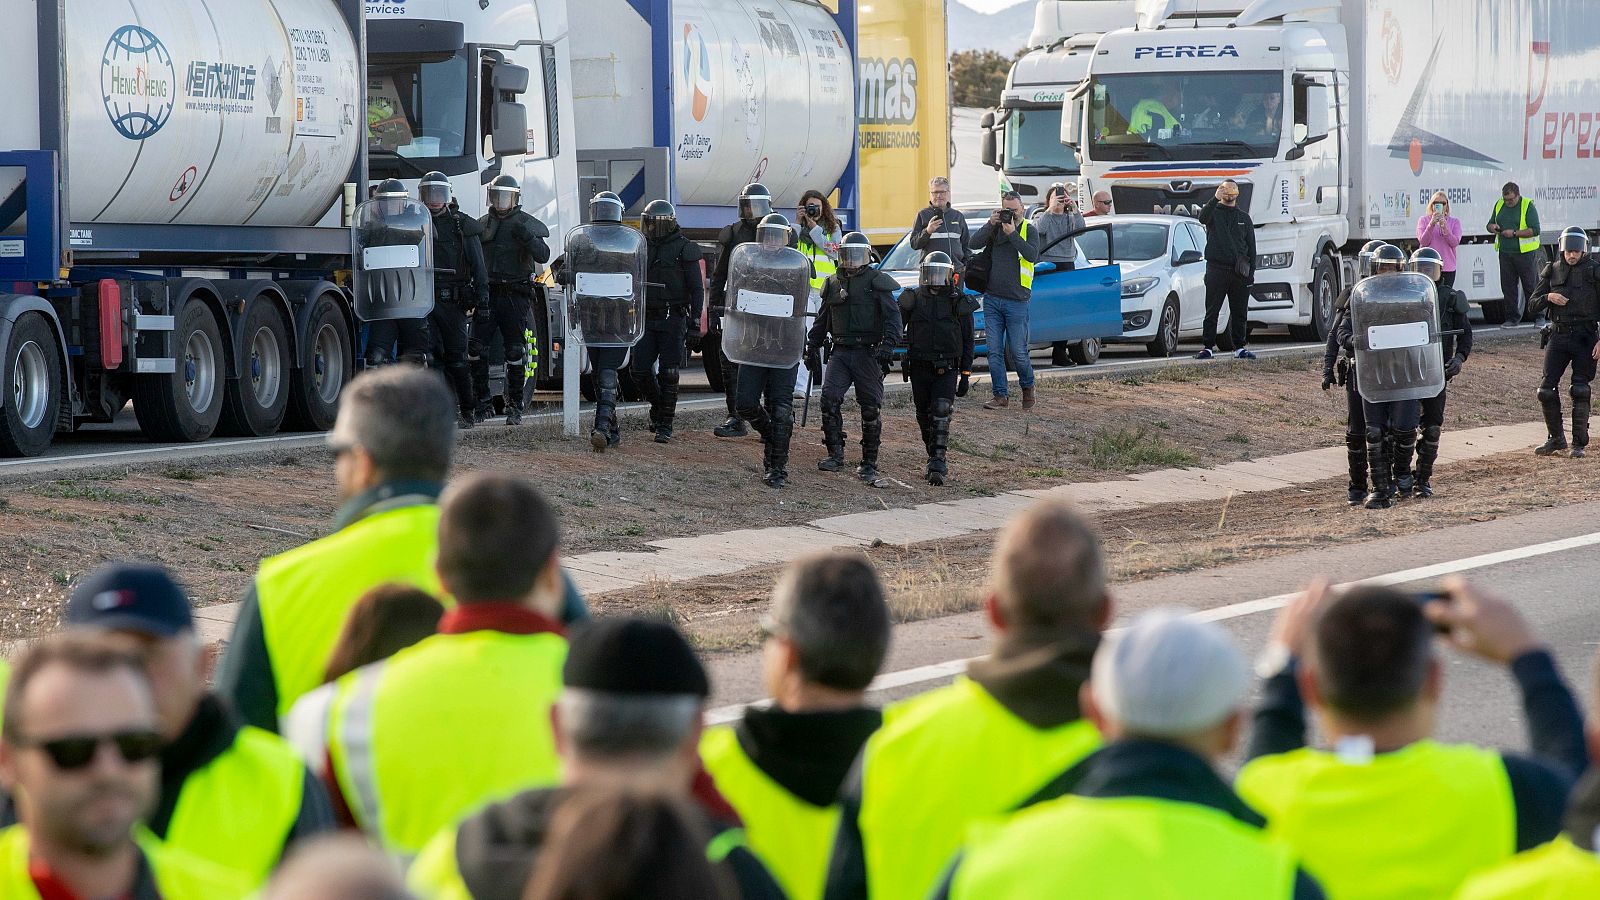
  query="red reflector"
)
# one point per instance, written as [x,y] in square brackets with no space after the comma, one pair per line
[110,324]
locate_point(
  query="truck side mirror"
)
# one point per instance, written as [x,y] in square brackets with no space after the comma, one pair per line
[1310,111]
[1072,121]
[511,79]
[510,133]
[989,151]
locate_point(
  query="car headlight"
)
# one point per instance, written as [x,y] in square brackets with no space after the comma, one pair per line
[1275,260]
[1138,287]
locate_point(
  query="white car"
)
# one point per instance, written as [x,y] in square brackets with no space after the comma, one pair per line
[1163,279]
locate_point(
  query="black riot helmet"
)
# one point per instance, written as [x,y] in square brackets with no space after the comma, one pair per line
[855,251]
[1573,239]
[1364,266]
[434,191]
[1388,258]
[660,219]
[392,194]
[606,209]
[936,270]
[504,194]
[1427,261]
[773,232]
[755,202]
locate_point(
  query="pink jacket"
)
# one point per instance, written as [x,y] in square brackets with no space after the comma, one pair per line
[1443,239]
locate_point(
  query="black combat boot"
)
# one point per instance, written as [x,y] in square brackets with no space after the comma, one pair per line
[1382,496]
[871,438]
[778,447]
[762,424]
[605,433]
[1580,420]
[1355,451]
[651,390]
[516,376]
[668,405]
[832,436]
[1405,447]
[939,431]
[1427,454]
[1550,403]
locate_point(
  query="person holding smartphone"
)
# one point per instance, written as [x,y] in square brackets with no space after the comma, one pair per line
[941,227]
[1441,231]
[1058,217]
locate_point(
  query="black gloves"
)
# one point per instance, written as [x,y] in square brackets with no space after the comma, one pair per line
[884,354]
[964,385]
[814,364]
[1453,367]
[1327,378]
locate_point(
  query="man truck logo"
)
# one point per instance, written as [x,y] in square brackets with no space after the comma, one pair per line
[1187,51]
[888,93]
[1192,210]
[697,71]
[136,82]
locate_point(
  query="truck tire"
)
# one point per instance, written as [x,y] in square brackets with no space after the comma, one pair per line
[329,364]
[184,406]
[1085,352]
[30,387]
[1324,288]
[1165,342]
[255,403]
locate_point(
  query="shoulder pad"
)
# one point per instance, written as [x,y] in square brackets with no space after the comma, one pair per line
[469,226]
[1548,268]
[883,281]
[1342,302]
[726,235]
[1460,302]
[968,304]
[537,227]
[690,250]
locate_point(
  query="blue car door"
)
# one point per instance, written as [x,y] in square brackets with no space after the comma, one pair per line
[1080,303]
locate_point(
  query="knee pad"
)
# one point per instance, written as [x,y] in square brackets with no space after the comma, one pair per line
[942,408]
[869,413]
[833,407]
[1431,434]
[752,413]
[783,415]
[1579,391]
[1549,395]
[513,360]
[608,379]
[1374,434]
[667,376]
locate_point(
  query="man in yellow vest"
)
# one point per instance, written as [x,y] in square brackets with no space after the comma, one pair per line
[781,768]
[1567,868]
[461,718]
[1149,816]
[1387,811]
[629,719]
[1515,225]
[997,735]
[79,752]
[392,447]
[230,793]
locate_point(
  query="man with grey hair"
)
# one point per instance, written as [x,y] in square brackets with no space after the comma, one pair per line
[996,736]
[630,718]
[1147,813]
[826,637]
[941,227]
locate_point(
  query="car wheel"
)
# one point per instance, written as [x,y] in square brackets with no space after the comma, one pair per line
[1086,352]
[1165,342]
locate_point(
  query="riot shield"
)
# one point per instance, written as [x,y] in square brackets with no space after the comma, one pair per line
[392,246]
[606,266]
[1395,319]
[765,321]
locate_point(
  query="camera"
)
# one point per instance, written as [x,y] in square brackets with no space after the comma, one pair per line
[813,209]
[1007,216]
[1423,598]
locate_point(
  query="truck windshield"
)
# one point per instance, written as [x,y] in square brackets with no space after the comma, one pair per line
[1207,115]
[1033,144]
[417,106]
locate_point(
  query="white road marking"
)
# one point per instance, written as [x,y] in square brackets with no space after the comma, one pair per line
[952,668]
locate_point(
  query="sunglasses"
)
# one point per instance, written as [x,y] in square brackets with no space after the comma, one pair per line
[77,751]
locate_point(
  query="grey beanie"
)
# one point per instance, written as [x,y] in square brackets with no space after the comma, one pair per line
[1169,675]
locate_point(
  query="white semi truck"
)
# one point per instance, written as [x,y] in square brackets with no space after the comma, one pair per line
[1340,119]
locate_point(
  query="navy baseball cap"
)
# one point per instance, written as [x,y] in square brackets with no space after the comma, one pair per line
[130,597]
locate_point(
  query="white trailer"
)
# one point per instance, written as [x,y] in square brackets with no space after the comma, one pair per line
[1339,119]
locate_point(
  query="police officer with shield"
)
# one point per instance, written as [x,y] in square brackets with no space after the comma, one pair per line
[603,270]
[675,292]
[755,203]
[764,335]
[1569,292]
[394,274]
[1455,342]
[939,346]
[460,287]
[513,247]
[1395,331]
[1338,366]
[860,322]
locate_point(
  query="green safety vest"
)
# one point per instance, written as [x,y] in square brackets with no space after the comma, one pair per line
[238,810]
[822,265]
[1559,870]
[1024,267]
[1123,847]
[305,594]
[940,762]
[792,837]
[1524,245]
[1145,113]
[1407,824]
[177,875]
[456,721]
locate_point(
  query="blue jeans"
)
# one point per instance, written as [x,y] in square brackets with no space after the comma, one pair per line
[1005,327]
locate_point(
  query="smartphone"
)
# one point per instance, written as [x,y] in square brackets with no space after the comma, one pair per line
[1423,598]
[1438,207]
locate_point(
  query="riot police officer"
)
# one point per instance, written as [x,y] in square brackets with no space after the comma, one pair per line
[392,339]
[460,286]
[1386,420]
[939,345]
[765,394]
[1339,367]
[605,209]
[861,323]
[1455,342]
[1569,292]
[675,292]
[755,204]
[513,247]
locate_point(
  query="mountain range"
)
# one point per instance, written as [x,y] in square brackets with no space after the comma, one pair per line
[1005,31]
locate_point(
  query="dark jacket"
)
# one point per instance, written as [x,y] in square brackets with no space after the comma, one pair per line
[1339,337]
[1007,252]
[496,848]
[953,236]
[938,324]
[513,246]
[1580,284]
[858,310]
[807,754]
[1158,770]
[674,263]
[1230,235]
[731,236]
[458,246]
[1453,309]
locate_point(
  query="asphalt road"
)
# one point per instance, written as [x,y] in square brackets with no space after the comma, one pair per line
[1540,561]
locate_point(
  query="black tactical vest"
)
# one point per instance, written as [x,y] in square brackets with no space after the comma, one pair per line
[856,313]
[666,269]
[451,231]
[933,329]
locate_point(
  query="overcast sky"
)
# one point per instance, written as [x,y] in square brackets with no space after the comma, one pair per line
[989,6]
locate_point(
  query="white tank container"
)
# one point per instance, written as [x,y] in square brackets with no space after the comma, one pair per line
[209,112]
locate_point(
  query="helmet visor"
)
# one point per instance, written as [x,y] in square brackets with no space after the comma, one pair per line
[434,194]
[658,227]
[773,236]
[756,206]
[1574,241]
[503,199]
[1427,267]
[605,209]
[936,274]
[1364,265]
[855,256]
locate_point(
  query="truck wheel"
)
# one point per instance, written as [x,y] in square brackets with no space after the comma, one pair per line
[1324,287]
[1165,343]
[711,358]
[30,400]
[1085,352]
[255,403]
[314,389]
[184,406]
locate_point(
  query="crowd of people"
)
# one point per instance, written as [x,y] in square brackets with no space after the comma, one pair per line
[419,705]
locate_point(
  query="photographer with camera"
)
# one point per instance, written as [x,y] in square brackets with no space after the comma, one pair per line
[1012,248]
[818,234]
